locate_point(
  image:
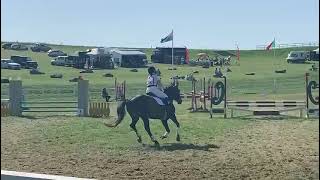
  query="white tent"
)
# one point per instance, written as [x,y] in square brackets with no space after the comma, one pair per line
[317,51]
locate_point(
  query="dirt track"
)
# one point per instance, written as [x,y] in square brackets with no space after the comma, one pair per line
[261,150]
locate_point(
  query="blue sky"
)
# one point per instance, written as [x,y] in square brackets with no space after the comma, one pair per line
[142,23]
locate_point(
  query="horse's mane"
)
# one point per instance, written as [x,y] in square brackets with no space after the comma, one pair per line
[168,87]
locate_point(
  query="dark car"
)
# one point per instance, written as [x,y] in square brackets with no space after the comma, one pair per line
[6,45]
[25,62]
[40,48]
[17,46]
[56,53]
[30,65]
[19,59]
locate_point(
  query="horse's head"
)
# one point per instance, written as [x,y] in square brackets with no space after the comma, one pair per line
[173,92]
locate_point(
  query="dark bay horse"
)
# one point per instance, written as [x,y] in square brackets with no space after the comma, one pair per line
[146,107]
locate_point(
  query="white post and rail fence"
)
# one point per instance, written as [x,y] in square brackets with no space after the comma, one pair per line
[13,105]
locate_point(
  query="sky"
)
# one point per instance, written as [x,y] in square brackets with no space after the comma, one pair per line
[202,24]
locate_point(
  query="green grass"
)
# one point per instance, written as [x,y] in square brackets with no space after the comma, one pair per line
[259,61]
[69,134]
[263,63]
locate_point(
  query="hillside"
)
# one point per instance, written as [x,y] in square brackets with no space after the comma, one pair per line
[261,62]
[69,49]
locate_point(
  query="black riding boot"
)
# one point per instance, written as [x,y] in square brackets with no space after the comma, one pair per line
[166,109]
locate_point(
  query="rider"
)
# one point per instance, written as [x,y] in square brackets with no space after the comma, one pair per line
[153,86]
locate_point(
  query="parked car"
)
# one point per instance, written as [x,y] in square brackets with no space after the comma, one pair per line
[17,46]
[297,57]
[4,63]
[59,61]
[6,45]
[20,59]
[39,47]
[25,62]
[70,61]
[14,66]
[30,65]
[56,53]
[314,55]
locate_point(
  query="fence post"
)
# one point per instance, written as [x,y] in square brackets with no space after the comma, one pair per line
[15,97]
[83,97]
[307,95]
[204,94]
[225,97]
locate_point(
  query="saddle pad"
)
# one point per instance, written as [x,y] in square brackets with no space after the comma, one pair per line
[158,100]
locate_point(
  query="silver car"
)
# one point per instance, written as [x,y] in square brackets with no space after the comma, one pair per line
[56,53]
[17,46]
[14,66]
[4,63]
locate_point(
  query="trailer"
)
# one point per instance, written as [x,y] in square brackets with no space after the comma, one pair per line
[164,55]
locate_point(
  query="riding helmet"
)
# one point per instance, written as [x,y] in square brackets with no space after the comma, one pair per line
[151,70]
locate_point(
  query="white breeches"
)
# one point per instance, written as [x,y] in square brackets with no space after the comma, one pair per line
[156,91]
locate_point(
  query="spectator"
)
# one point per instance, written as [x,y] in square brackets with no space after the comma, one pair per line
[220,73]
[216,71]
[158,72]
[105,94]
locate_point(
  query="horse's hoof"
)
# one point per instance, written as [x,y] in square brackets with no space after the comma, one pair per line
[178,138]
[156,143]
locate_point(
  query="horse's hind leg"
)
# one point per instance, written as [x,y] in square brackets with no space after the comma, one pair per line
[133,126]
[147,128]
[174,119]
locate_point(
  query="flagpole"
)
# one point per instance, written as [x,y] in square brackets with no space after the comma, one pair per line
[238,53]
[274,51]
[274,68]
[274,48]
[172,50]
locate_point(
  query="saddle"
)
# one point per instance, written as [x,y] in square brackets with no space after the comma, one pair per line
[160,101]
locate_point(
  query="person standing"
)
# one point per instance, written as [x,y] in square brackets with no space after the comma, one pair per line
[105,95]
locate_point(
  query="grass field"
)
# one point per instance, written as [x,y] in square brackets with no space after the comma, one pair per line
[238,148]
[261,62]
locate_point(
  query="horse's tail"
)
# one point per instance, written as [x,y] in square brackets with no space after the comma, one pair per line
[121,112]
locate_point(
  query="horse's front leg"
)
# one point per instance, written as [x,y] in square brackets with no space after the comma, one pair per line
[174,119]
[147,128]
[165,124]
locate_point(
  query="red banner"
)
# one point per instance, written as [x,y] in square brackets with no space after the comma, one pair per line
[238,53]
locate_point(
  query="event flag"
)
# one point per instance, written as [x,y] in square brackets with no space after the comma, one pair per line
[272,44]
[238,53]
[187,56]
[167,38]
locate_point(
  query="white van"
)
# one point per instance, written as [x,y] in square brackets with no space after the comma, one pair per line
[59,61]
[298,56]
